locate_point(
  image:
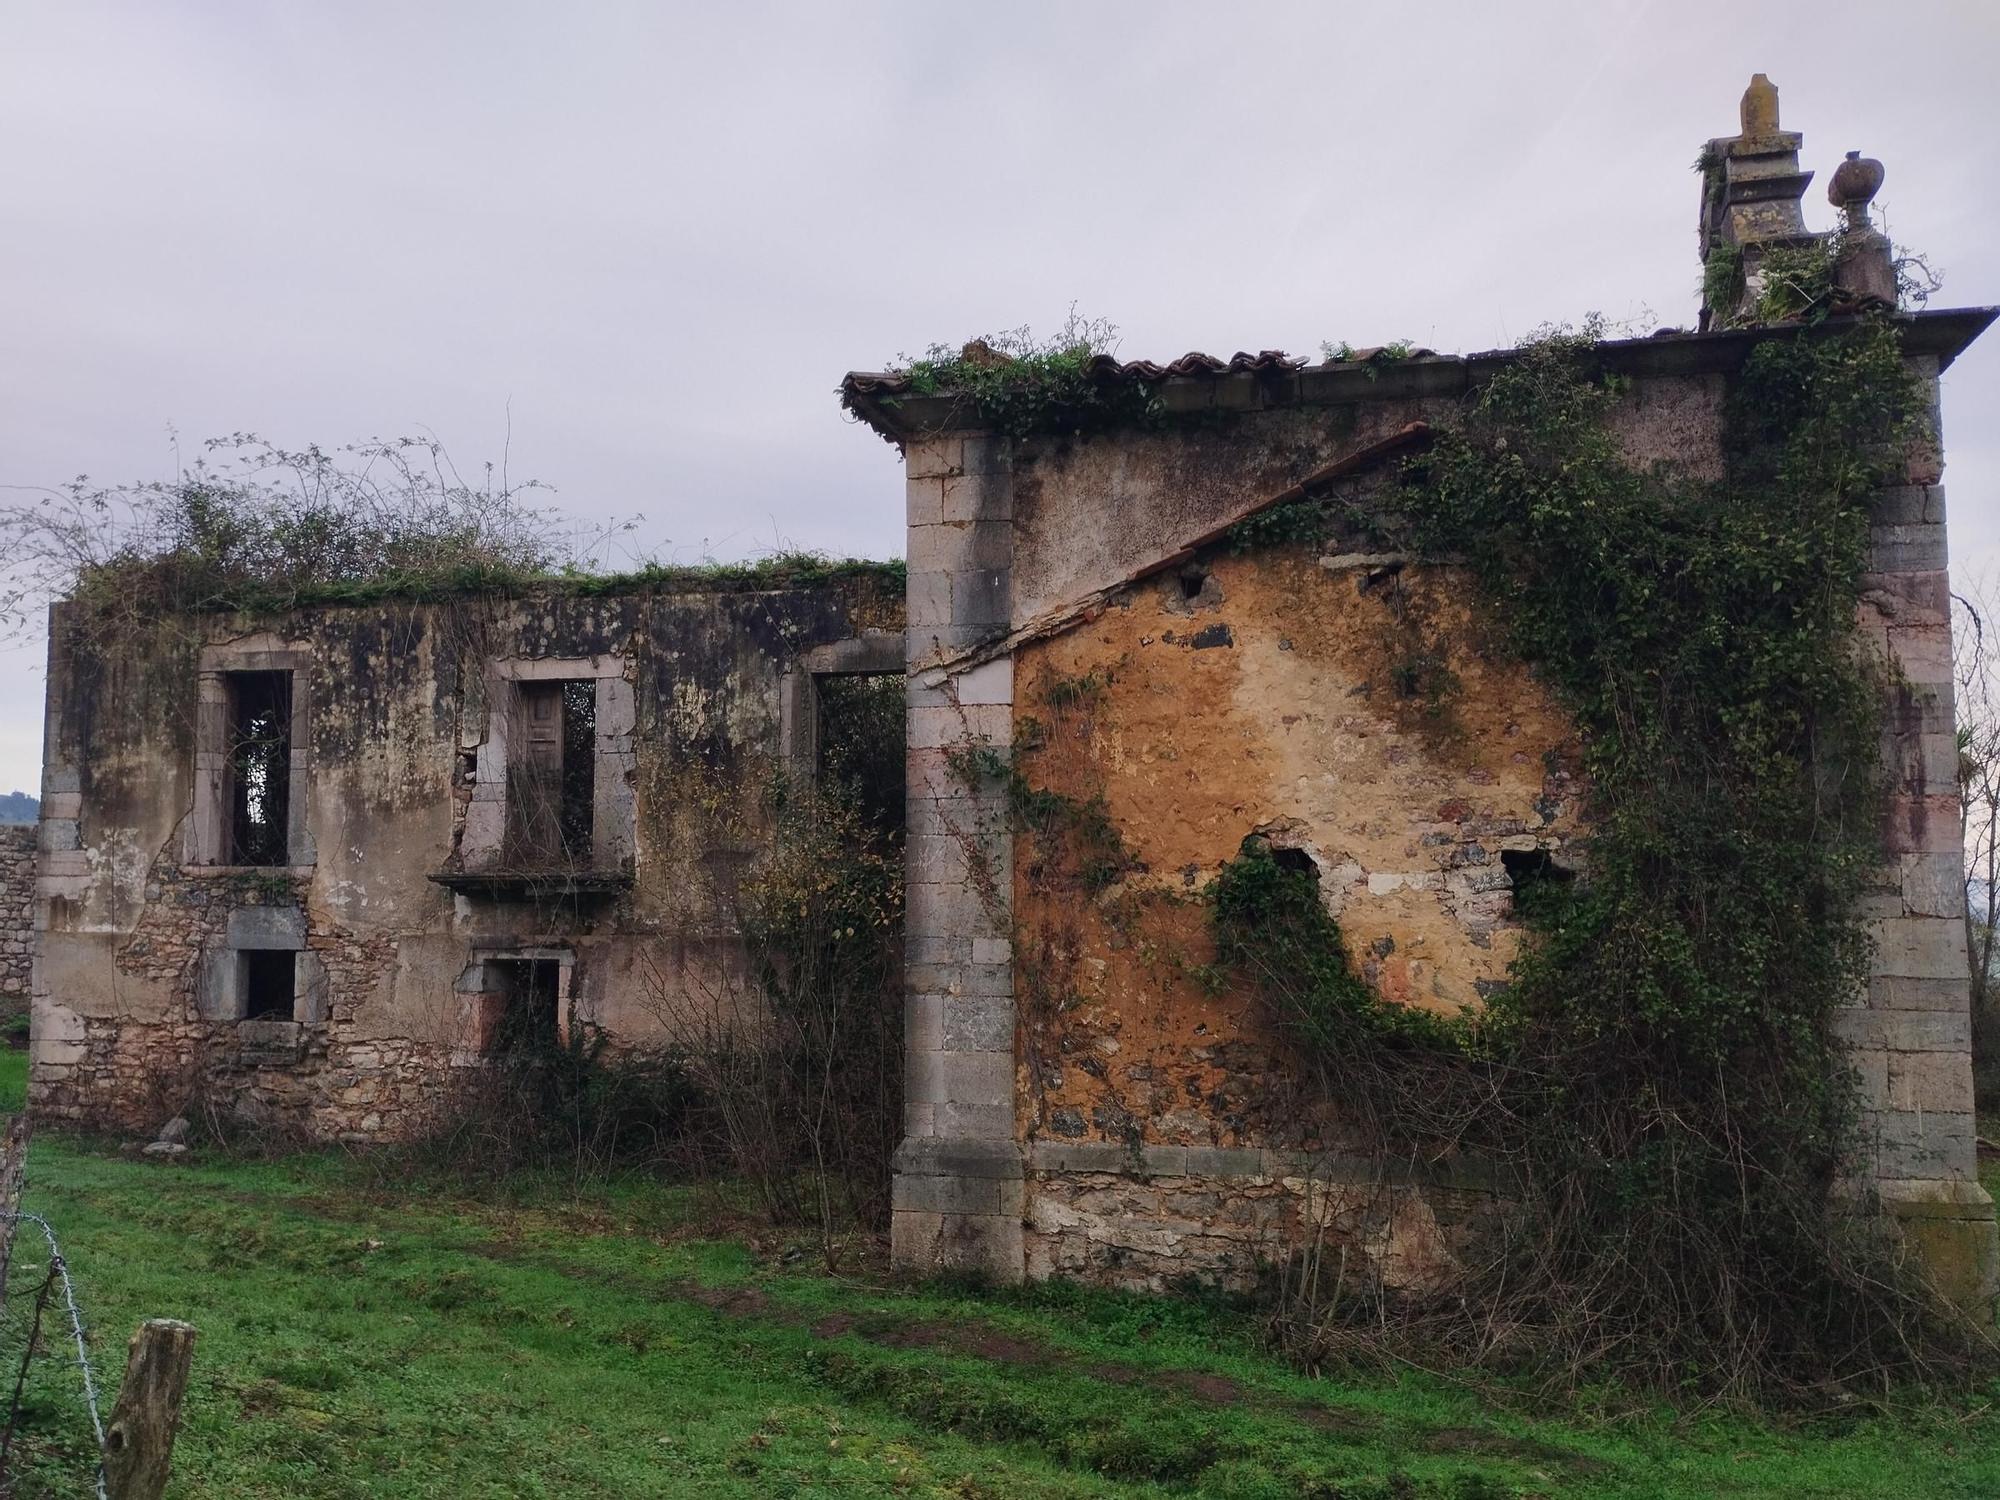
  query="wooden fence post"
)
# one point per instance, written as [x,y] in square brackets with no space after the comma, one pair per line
[13,1173]
[139,1443]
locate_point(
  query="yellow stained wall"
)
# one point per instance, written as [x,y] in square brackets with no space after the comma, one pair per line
[1298,697]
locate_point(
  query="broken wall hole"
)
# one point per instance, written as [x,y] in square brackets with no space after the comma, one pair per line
[1534,872]
[1296,862]
[859,752]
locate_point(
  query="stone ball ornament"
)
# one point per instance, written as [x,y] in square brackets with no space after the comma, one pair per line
[1855,183]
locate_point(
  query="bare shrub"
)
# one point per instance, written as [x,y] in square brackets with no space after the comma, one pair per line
[798,1052]
[1976,668]
[576,1106]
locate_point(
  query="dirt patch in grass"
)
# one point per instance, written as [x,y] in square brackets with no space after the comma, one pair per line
[1471,1441]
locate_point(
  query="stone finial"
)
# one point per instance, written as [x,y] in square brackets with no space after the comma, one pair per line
[1760,108]
[1855,183]
[1864,262]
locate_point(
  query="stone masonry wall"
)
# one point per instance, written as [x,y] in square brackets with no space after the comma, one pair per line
[391,917]
[1079,1103]
[17,915]
[1910,1035]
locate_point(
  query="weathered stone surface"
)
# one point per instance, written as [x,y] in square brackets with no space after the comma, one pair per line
[399,772]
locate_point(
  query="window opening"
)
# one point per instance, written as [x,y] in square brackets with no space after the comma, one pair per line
[553,778]
[260,767]
[861,746]
[1534,877]
[1296,861]
[270,984]
[528,989]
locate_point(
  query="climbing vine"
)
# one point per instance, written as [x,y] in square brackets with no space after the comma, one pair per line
[1659,1080]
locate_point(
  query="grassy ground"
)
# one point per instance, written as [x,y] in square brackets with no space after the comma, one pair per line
[368,1339]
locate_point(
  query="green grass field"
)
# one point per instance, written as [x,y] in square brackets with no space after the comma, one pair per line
[363,1338]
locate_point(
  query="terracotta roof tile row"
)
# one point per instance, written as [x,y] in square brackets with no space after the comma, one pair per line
[1106,369]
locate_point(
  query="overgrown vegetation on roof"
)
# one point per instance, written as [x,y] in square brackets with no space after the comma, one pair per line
[256,528]
[1019,384]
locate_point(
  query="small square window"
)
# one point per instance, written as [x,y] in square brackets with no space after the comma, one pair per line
[270,985]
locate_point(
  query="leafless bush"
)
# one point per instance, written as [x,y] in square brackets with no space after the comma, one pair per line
[576,1106]
[797,1051]
[1976,668]
[252,525]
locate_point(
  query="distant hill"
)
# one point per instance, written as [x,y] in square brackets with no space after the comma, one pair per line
[19,807]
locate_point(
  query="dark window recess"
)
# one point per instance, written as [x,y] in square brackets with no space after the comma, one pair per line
[553,778]
[861,746]
[526,1025]
[260,767]
[1534,875]
[1297,861]
[270,982]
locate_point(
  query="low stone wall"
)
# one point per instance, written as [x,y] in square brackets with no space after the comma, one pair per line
[318,1078]
[118,1076]
[1150,1218]
[17,915]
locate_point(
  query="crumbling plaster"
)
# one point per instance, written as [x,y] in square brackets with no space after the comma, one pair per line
[128,927]
[1052,558]
[1271,710]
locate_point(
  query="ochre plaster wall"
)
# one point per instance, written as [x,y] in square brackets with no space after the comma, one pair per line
[1278,701]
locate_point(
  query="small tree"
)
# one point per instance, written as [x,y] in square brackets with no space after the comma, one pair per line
[1976,668]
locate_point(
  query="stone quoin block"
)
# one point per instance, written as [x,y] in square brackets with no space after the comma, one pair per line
[977,1023]
[924,501]
[933,458]
[1919,948]
[923,1023]
[1907,549]
[1935,1082]
[979,1078]
[1923,1145]
[983,495]
[930,598]
[1905,1030]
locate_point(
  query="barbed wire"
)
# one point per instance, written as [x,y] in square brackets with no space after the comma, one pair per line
[59,1267]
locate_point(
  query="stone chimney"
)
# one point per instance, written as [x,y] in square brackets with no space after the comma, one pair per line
[1750,191]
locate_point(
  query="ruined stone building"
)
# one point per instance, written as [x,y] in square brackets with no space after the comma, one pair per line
[1078,1100]
[304,867]
[316,861]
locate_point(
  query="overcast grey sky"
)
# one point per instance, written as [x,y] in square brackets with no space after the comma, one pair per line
[662,232]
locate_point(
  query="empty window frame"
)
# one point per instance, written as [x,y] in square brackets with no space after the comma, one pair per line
[269,979]
[528,1023]
[859,725]
[259,752]
[551,793]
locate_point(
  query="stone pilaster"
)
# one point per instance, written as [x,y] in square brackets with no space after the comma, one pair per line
[1911,1039]
[959,1181]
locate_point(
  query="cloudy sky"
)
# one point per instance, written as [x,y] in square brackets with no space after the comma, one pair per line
[652,237]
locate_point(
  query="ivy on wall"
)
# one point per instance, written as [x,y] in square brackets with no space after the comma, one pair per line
[1659,1081]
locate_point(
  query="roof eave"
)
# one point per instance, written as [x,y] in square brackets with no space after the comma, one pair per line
[899,415]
